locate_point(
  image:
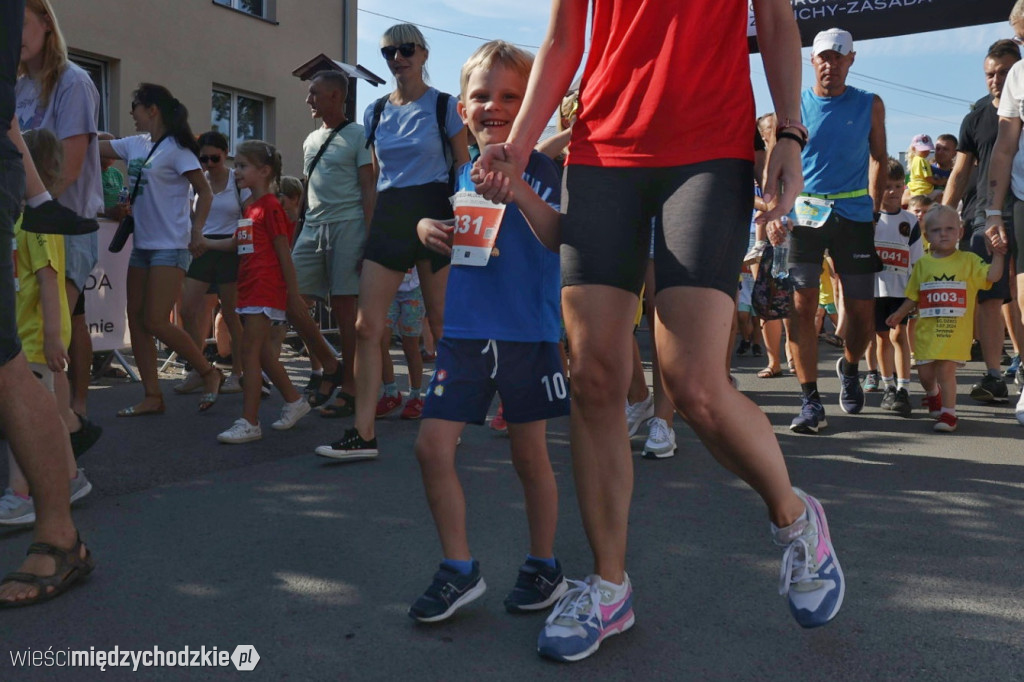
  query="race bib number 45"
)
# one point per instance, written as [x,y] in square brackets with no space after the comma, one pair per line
[477,221]
[943,299]
[243,237]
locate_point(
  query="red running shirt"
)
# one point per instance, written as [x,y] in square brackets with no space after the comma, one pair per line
[260,278]
[667,83]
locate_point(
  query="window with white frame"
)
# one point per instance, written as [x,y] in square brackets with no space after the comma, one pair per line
[257,8]
[238,116]
[98,70]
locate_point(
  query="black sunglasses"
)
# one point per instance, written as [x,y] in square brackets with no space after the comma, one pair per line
[406,49]
[210,159]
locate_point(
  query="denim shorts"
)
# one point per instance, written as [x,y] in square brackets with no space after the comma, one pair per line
[147,258]
[12,190]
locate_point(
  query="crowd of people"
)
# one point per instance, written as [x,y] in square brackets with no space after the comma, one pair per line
[441,216]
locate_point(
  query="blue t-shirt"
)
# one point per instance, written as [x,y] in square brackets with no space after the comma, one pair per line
[515,297]
[836,157]
[408,143]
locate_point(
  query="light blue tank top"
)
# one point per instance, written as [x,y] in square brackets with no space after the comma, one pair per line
[837,154]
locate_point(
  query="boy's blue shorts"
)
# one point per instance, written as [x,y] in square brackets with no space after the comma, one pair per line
[527,375]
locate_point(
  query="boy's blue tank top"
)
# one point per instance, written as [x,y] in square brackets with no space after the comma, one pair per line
[837,153]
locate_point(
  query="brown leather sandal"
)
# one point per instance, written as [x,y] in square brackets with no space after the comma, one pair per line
[69,570]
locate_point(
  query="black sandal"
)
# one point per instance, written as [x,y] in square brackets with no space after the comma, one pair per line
[69,570]
[335,411]
[330,381]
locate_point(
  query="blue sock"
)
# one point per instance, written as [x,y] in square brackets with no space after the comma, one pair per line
[550,563]
[462,567]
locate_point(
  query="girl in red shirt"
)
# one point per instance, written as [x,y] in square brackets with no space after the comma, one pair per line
[266,278]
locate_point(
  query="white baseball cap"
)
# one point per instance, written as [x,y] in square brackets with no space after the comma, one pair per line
[833,39]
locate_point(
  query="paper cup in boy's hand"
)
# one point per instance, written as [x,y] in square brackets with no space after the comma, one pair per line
[477,221]
[243,236]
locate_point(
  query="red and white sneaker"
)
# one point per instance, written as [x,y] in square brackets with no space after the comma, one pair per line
[388,404]
[946,423]
[933,403]
[413,409]
[499,423]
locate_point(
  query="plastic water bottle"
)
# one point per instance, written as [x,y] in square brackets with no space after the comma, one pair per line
[780,259]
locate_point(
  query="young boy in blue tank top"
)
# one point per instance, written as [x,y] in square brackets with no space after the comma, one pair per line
[501,332]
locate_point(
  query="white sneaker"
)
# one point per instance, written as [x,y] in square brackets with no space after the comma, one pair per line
[16,511]
[80,486]
[291,413]
[1020,408]
[661,440]
[241,432]
[638,413]
[231,385]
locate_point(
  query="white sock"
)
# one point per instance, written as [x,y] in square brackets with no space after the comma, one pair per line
[886,382]
[619,591]
[39,199]
[904,384]
[391,389]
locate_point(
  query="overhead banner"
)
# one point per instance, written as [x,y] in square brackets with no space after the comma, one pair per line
[867,19]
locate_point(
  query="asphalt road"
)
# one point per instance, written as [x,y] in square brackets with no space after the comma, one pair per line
[314,563]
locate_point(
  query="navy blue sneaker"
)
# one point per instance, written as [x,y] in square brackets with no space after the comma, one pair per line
[851,393]
[449,591]
[811,418]
[537,587]
[811,577]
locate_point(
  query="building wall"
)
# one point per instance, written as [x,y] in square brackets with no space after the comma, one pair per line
[190,46]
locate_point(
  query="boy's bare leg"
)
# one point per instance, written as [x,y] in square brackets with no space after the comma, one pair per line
[530,458]
[435,451]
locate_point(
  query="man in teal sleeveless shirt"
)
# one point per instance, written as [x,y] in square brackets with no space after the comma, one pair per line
[843,164]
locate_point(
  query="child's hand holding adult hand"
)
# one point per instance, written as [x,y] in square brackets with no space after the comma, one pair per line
[436,235]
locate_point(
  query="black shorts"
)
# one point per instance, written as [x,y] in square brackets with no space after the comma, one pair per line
[215,267]
[978,244]
[79,308]
[850,243]
[527,376]
[704,214]
[393,241]
[884,307]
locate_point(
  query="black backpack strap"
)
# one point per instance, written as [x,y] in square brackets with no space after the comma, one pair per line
[442,118]
[378,109]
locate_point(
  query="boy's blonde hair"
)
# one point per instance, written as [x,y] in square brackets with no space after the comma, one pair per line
[47,155]
[495,53]
[935,210]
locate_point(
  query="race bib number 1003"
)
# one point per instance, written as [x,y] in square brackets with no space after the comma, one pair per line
[477,221]
[943,299]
